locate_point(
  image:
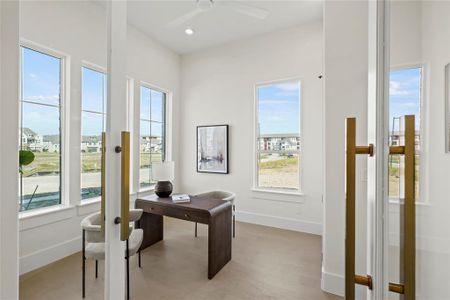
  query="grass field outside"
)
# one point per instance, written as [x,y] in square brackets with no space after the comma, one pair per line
[395,176]
[42,177]
[46,163]
[278,171]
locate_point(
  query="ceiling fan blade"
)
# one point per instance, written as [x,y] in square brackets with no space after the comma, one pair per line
[184,18]
[245,9]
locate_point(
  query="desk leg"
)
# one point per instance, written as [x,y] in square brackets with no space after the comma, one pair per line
[153,227]
[219,242]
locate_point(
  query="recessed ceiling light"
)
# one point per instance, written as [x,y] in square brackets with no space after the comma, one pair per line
[189,31]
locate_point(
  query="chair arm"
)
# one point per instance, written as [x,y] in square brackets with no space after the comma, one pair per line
[135,214]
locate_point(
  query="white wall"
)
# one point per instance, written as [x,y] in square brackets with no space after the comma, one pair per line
[346,70]
[218,88]
[9,114]
[78,29]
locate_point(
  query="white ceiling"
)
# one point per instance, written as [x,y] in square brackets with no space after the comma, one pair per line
[218,25]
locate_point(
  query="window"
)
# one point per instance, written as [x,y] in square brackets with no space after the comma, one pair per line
[152,132]
[405,96]
[278,135]
[40,129]
[93,114]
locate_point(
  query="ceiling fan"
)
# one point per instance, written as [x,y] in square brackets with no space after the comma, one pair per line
[202,6]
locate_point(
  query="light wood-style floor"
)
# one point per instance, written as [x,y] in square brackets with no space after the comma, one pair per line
[267,263]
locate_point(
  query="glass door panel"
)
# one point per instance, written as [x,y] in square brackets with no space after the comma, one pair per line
[419,50]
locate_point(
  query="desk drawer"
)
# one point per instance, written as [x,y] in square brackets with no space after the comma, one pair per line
[194,216]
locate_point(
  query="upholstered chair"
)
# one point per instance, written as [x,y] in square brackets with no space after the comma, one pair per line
[93,243]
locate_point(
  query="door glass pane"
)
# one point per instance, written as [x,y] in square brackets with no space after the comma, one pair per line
[419,52]
[405,94]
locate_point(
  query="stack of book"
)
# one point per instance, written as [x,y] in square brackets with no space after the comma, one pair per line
[183,198]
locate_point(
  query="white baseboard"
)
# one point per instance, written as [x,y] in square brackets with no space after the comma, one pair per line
[48,255]
[333,283]
[279,222]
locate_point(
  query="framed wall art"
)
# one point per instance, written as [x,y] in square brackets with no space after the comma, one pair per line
[212,149]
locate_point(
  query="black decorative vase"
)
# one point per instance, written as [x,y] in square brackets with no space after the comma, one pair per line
[163,189]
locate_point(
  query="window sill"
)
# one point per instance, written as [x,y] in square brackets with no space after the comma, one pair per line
[282,192]
[90,201]
[279,195]
[23,215]
[43,216]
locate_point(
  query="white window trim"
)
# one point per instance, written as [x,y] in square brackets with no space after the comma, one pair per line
[65,126]
[422,198]
[94,67]
[255,187]
[167,128]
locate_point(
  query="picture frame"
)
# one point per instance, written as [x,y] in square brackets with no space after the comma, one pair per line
[212,149]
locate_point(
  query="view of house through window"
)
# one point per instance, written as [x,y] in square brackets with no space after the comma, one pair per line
[40,129]
[405,93]
[93,103]
[152,132]
[278,135]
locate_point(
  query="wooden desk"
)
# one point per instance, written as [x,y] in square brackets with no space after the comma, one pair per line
[216,213]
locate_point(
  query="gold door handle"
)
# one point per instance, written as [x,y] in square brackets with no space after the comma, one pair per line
[350,249]
[103,182]
[125,185]
[408,257]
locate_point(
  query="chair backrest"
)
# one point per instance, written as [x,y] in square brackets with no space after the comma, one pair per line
[224,195]
[92,225]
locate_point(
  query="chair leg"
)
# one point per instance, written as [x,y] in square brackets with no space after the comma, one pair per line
[128,272]
[195,229]
[83,276]
[139,254]
[234,221]
[96,268]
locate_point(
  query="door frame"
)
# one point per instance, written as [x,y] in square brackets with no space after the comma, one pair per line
[378,133]
[116,122]
[9,158]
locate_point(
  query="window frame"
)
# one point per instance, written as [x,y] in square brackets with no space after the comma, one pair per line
[256,187]
[166,129]
[99,69]
[64,113]
[423,181]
